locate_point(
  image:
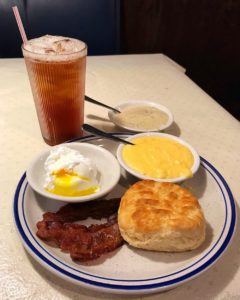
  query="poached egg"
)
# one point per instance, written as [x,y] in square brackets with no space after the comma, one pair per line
[69,173]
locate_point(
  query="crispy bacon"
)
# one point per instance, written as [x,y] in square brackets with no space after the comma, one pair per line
[82,242]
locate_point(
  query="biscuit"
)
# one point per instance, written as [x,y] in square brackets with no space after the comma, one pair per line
[161,216]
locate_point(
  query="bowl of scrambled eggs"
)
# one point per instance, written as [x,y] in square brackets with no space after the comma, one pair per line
[158,156]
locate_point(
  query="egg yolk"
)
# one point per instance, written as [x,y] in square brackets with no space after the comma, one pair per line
[72,184]
[158,157]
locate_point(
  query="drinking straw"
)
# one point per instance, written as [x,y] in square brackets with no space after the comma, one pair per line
[20,24]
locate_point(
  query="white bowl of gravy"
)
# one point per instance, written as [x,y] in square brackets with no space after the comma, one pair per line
[141,116]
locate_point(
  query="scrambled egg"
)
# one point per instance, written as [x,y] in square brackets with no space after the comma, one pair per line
[158,157]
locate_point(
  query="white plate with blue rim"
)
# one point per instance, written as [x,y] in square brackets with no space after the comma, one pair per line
[128,270]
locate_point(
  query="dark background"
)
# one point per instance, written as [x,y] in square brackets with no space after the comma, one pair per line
[201,35]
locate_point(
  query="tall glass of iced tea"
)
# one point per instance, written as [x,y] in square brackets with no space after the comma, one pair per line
[56,67]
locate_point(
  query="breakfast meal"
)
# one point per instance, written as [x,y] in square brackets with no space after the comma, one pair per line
[58,206]
[152,216]
[161,216]
[82,242]
[69,173]
[158,157]
[141,117]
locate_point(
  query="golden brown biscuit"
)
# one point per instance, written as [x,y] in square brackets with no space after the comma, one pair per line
[161,216]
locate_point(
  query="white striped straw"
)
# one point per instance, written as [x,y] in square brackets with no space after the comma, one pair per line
[20,24]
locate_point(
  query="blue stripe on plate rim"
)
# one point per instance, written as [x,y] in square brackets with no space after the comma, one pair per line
[112,279]
[157,285]
[121,279]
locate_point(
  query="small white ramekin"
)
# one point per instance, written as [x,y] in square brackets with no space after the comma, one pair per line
[121,106]
[194,168]
[106,164]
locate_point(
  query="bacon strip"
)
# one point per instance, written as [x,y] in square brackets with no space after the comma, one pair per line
[82,242]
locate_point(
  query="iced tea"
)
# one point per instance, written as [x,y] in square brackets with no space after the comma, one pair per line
[56,68]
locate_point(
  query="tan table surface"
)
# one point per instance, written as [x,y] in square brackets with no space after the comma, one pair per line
[198,119]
